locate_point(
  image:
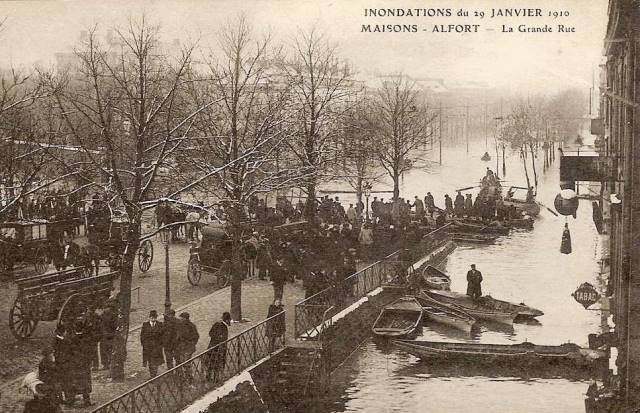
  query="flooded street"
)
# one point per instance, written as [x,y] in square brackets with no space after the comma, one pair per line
[526,266]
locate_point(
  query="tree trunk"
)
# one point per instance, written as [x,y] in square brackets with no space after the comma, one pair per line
[396,185]
[523,155]
[310,208]
[359,196]
[504,165]
[119,352]
[236,276]
[533,164]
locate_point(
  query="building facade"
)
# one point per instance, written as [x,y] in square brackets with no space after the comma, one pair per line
[619,147]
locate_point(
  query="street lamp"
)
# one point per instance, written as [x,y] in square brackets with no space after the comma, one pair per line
[166,231]
[367,192]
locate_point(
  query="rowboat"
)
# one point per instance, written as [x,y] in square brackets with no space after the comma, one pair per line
[399,319]
[473,238]
[522,223]
[507,354]
[475,227]
[517,197]
[487,302]
[486,157]
[530,208]
[474,308]
[435,279]
[446,314]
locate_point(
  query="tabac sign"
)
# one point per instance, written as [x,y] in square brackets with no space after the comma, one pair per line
[586,295]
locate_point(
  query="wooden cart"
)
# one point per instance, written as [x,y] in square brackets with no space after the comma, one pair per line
[50,297]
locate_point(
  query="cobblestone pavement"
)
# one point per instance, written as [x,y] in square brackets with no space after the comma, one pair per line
[203,302]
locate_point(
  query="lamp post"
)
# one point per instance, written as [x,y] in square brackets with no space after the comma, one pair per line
[367,192]
[167,282]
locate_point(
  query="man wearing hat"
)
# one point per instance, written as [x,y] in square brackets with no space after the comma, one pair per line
[474,280]
[151,338]
[187,338]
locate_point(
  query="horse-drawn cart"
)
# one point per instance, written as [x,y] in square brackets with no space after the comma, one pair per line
[107,231]
[50,297]
[24,241]
[212,255]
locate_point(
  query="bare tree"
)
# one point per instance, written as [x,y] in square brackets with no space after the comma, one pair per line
[321,83]
[518,130]
[245,128]
[126,107]
[24,138]
[402,125]
[359,163]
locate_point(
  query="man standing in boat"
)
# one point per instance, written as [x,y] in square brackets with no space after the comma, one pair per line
[474,281]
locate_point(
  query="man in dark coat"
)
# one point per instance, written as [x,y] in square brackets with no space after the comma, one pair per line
[63,353]
[458,205]
[151,338]
[108,326]
[170,342]
[80,373]
[65,254]
[278,278]
[468,205]
[217,356]
[188,337]
[429,202]
[448,204]
[186,341]
[275,325]
[474,281]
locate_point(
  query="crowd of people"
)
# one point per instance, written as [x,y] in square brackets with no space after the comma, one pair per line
[321,254]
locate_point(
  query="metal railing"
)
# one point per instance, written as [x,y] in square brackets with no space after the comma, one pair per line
[180,386]
[311,313]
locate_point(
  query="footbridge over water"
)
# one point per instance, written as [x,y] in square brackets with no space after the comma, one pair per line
[262,372]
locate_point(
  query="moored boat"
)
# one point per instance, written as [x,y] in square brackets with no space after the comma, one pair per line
[474,308]
[473,238]
[471,226]
[485,302]
[523,353]
[435,279]
[522,200]
[523,223]
[446,314]
[399,319]
[486,157]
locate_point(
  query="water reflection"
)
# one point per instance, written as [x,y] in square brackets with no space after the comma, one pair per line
[524,267]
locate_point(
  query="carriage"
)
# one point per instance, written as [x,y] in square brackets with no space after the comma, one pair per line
[56,296]
[106,233]
[211,255]
[31,242]
[26,242]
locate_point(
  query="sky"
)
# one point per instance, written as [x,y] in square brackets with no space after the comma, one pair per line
[534,62]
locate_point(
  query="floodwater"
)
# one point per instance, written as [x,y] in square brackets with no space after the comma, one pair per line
[526,266]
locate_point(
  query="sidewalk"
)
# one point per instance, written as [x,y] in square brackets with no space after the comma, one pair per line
[256,297]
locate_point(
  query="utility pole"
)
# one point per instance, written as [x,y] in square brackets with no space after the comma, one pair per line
[484,124]
[466,127]
[440,140]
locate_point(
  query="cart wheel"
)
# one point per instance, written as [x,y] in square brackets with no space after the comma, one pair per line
[73,307]
[224,274]
[194,271]
[145,255]
[41,261]
[21,323]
